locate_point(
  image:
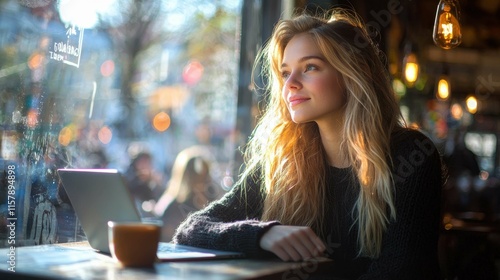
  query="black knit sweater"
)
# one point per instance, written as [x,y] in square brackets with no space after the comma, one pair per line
[409,246]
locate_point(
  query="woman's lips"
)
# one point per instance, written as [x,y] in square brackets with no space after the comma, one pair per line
[297,101]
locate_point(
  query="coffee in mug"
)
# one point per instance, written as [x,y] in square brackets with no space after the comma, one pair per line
[134,244]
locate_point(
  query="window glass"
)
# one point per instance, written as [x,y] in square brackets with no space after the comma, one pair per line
[117,84]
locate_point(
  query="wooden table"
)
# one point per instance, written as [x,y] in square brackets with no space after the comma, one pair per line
[79,261]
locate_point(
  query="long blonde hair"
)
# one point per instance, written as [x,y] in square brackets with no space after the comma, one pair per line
[190,182]
[290,157]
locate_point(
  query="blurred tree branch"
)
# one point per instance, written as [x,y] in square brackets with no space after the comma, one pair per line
[136,28]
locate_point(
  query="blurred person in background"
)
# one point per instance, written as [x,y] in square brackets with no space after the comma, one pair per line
[190,188]
[144,182]
[463,172]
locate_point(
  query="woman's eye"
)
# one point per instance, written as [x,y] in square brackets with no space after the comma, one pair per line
[310,67]
[285,75]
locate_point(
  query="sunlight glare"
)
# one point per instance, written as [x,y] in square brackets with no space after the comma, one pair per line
[83,13]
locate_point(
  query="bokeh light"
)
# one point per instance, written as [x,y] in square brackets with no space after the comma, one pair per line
[105,135]
[32,118]
[411,68]
[35,61]
[161,121]
[107,68]
[443,91]
[399,87]
[193,72]
[471,102]
[67,135]
[456,111]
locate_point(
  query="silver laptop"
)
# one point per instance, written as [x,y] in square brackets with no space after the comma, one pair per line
[101,195]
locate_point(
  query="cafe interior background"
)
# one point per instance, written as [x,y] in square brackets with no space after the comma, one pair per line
[94,84]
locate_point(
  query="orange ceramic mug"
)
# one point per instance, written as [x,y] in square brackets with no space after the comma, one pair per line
[134,243]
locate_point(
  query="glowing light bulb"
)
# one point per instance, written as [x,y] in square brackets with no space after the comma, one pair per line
[443,89]
[447,34]
[471,103]
[411,68]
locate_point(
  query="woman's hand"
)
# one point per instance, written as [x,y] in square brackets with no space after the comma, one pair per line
[292,242]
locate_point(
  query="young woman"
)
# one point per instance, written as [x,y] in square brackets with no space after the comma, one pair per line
[330,168]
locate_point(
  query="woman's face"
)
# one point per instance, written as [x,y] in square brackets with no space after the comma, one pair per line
[313,89]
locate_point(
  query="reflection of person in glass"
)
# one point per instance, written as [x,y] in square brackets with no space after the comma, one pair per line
[330,169]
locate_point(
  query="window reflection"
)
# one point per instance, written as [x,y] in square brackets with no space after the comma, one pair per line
[484,146]
[92,85]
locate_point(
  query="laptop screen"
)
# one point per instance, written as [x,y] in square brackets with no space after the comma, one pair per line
[98,196]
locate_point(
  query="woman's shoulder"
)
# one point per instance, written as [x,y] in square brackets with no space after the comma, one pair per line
[414,154]
[405,141]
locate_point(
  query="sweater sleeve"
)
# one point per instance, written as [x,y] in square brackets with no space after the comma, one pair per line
[409,246]
[230,224]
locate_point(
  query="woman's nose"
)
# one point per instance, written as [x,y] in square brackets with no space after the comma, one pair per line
[293,82]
